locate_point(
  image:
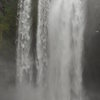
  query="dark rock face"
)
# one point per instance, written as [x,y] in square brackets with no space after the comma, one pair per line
[91,64]
[2,8]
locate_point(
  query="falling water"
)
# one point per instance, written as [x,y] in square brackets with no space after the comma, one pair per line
[66,29]
[24,59]
[61,25]
[59,47]
[42,38]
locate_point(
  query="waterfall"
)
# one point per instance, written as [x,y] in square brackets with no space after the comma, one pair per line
[61,25]
[24,59]
[42,38]
[60,32]
[66,31]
